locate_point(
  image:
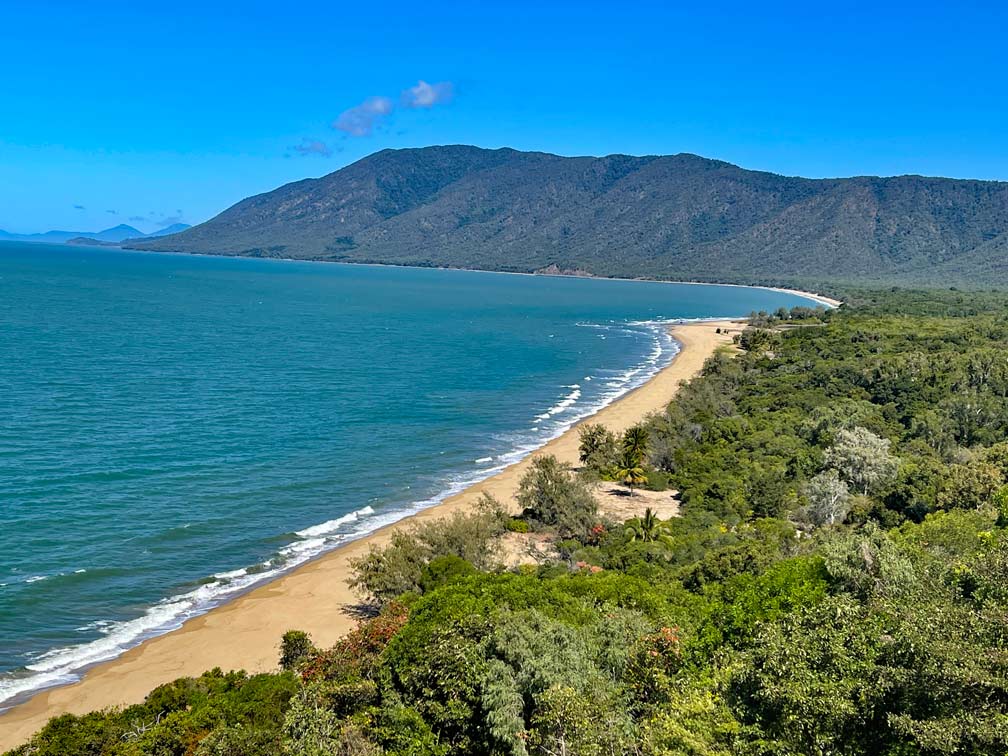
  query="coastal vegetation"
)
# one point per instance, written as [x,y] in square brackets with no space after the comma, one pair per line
[837,582]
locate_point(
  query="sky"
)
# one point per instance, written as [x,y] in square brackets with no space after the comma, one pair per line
[151,113]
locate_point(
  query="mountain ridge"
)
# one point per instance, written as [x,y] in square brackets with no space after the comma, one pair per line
[113,235]
[681,216]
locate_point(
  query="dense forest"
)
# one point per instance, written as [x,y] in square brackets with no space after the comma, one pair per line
[672,217]
[837,582]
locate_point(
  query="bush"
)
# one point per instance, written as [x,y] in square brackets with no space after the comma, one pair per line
[443,570]
[387,572]
[553,497]
[657,480]
[295,646]
[516,525]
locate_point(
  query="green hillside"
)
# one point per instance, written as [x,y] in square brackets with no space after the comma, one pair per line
[675,217]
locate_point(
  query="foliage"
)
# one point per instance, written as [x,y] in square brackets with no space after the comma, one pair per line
[387,572]
[861,458]
[597,448]
[735,629]
[679,217]
[829,499]
[295,646]
[648,528]
[551,496]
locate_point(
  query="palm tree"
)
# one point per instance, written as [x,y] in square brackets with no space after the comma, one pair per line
[648,528]
[629,472]
[635,441]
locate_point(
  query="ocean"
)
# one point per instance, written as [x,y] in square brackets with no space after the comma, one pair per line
[175,429]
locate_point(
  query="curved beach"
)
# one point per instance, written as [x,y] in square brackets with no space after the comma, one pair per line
[245,633]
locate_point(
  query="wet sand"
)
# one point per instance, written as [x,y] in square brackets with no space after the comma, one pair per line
[245,633]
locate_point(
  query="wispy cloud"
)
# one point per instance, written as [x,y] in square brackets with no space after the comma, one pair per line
[112,212]
[137,218]
[79,207]
[312,147]
[361,120]
[425,95]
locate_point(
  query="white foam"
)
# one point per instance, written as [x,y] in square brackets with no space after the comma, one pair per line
[63,665]
[483,460]
[333,526]
[564,404]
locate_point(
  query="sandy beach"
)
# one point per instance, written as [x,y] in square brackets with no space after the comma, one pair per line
[245,633]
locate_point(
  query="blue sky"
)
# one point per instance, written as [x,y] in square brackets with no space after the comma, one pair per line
[145,113]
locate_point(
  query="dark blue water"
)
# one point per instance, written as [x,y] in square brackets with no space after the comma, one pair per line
[174,428]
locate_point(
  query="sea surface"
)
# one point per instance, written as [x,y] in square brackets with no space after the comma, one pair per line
[175,428]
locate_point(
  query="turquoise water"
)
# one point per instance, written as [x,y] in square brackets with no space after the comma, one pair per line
[174,429]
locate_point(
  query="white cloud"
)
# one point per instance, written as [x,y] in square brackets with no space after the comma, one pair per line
[361,120]
[425,95]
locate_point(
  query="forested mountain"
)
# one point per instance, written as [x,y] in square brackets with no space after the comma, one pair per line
[677,217]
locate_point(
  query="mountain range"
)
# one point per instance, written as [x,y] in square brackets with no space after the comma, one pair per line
[116,234]
[673,217]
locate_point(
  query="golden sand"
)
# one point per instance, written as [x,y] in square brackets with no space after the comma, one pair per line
[245,633]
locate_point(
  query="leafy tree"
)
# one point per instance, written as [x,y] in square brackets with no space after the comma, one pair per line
[862,458]
[295,647]
[389,571]
[756,340]
[552,496]
[969,486]
[828,497]
[597,447]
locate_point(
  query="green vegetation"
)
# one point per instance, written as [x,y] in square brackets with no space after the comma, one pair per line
[673,217]
[837,584]
[418,554]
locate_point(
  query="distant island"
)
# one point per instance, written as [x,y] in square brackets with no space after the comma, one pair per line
[109,237]
[677,217]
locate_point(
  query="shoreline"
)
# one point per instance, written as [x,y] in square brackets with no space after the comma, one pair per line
[244,631]
[815,297]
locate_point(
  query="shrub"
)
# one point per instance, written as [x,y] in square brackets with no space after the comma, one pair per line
[516,525]
[657,480]
[295,646]
[553,497]
[390,571]
[444,569]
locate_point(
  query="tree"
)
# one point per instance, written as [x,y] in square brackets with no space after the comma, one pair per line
[597,448]
[295,646]
[862,459]
[552,496]
[648,528]
[829,499]
[756,340]
[629,472]
[386,572]
[635,443]
[969,486]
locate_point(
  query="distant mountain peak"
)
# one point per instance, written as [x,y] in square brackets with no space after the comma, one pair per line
[174,228]
[113,235]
